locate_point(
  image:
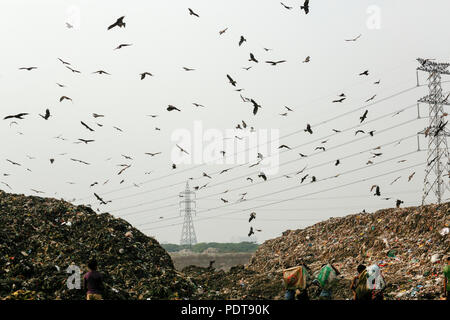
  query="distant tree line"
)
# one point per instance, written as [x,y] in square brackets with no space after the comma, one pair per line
[221,247]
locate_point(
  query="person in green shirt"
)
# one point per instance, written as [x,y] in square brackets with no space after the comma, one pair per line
[446,278]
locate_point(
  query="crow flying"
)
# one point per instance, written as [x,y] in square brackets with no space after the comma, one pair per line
[305,6]
[119,23]
[192,13]
[16,116]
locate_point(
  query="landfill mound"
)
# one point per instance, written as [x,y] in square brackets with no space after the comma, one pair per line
[408,244]
[239,283]
[41,237]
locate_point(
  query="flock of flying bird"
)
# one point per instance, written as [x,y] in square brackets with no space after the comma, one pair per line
[255,106]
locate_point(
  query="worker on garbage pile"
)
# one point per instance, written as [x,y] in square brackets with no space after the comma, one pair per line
[93,282]
[446,278]
[296,281]
[357,282]
[326,279]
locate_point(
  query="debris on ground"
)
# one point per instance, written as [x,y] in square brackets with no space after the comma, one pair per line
[239,283]
[408,244]
[41,237]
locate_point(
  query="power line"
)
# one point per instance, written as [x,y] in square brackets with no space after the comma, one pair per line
[285,136]
[289,162]
[297,197]
[299,186]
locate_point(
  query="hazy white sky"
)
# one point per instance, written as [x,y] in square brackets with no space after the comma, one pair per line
[164,39]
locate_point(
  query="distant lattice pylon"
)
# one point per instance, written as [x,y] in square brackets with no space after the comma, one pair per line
[188,209]
[437,172]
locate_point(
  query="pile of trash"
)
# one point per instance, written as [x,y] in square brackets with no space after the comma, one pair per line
[40,238]
[409,245]
[239,283]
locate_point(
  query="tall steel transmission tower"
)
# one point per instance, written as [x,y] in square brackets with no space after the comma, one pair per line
[437,173]
[188,208]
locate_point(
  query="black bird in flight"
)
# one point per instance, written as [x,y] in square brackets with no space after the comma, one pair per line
[339,100]
[64,62]
[16,116]
[182,150]
[377,190]
[262,175]
[119,23]
[233,83]
[124,168]
[256,106]
[152,154]
[64,98]
[354,39]
[371,98]
[242,40]
[251,231]
[284,146]
[252,58]
[287,7]
[359,131]
[145,74]
[305,6]
[171,108]
[47,114]
[289,109]
[308,129]
[364,116]
[398,203]
[221,32]
[337,162]
[120,46]
[86,126]
[440,128]
[80,161]
[100,199]
[86,141]
[73,70]
[101,72]
[13,163]
[252,216]
[274,63]
[28,68]
[192,13]
[365,73]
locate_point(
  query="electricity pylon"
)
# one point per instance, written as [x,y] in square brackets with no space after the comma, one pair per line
[187,208]
[437,173]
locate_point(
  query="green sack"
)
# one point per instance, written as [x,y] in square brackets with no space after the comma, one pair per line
[326,276]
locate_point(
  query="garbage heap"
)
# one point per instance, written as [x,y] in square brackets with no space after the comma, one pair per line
[409,244]
[40,238]
[239,283]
